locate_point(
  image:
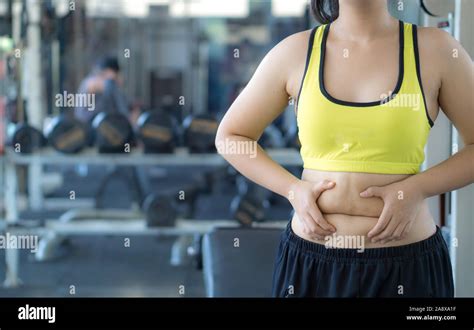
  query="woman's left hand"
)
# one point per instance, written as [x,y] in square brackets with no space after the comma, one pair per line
[402,202]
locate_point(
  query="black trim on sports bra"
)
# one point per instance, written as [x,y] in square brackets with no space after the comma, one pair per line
[363,104]
[308,57]
[418,71]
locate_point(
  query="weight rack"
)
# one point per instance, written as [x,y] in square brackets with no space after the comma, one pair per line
[102,226]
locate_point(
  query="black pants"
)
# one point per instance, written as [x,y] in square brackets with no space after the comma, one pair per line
[307,269]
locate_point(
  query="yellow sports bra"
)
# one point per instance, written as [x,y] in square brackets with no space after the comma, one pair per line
[386,136]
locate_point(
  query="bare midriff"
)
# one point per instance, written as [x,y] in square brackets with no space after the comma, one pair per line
[353,215]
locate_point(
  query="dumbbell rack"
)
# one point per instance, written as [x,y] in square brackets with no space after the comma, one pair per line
[35,162]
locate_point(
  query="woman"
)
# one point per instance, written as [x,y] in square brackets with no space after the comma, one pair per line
[368,88]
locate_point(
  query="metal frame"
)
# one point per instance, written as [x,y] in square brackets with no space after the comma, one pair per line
[102,222]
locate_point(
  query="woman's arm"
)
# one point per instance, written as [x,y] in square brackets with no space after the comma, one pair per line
[456,98]
[262,101]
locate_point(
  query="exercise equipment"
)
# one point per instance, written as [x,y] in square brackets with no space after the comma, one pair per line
[271,138]
[195,251]
[67,134]
[200,133]
[159,210]
[130,177]
[247,209]
[426,10]
[239,272]
[24,138]
[163,209]
[245,186]
[251,203]
[112,132]
[156,130]
[443,21]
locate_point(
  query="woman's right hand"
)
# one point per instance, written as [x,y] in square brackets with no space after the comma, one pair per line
[303,197]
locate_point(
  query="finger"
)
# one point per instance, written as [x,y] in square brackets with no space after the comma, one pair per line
[381,223]
[317,216]
[387,234]
[322,186]
[397,234]
[315,229]
[392,237]
[371,192]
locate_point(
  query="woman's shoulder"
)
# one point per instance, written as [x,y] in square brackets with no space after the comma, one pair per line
[294,43]
[298,37]
[292,53]
[292,50]
[438,49]
[436,42]
[289,53]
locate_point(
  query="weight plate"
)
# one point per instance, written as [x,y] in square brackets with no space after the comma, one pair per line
[26,139]
[159,211]
[67,135]
[200,133]
[247,209]
[112,132]
[156,130]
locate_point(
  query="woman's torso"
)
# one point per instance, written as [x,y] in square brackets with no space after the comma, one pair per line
[353,215]
[369,69]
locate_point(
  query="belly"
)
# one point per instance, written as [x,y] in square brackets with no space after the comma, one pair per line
[355,216]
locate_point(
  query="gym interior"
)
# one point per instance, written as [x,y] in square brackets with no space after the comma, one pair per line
[139,203]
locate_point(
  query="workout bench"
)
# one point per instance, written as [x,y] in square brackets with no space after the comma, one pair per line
[239,271]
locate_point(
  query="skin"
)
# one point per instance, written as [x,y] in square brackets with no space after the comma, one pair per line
[346,203]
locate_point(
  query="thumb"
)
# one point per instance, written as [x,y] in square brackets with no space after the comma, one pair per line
[323,185]
[371,192]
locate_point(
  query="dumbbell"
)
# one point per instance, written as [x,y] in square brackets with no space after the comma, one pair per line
[112,132]
[162,210]
[159,210]
[157,131]
[24,138]
[200,133]
[251,203]
[67,134]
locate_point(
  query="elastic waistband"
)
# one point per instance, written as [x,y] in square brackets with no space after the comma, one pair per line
[434,242]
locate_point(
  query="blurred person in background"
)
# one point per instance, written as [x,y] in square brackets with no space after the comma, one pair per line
[105,81]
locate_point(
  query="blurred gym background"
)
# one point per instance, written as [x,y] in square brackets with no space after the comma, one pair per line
[135,202]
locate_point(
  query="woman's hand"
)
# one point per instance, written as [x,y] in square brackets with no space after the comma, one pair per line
[303,196]
[402,202]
